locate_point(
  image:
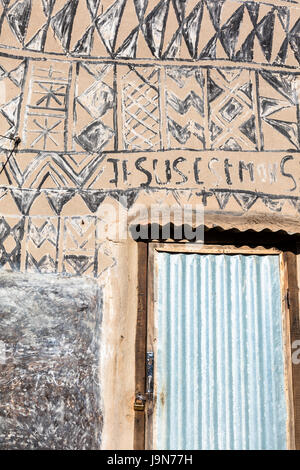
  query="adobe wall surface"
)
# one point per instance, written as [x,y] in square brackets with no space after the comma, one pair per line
[129,102]
[50,362]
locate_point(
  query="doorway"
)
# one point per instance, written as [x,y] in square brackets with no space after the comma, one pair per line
[221,324]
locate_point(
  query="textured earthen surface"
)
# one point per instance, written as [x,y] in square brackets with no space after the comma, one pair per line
[49,363]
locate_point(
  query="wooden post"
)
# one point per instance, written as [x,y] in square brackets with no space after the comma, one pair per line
[140,344]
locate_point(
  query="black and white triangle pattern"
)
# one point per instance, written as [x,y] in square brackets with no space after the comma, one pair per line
[163,29]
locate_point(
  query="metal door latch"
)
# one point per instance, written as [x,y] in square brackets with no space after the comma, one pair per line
[139,402]
[149,372]
[140,399]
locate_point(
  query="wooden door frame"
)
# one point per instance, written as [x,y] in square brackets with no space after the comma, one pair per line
[141,345]
[145,335]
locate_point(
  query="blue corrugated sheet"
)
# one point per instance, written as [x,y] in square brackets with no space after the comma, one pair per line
[220,360]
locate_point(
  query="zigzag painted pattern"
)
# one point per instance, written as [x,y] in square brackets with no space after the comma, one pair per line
[185,107]
[163,29]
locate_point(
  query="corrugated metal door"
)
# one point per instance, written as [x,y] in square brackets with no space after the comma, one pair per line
[220,378]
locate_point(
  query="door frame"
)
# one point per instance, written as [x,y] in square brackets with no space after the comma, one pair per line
[146,334]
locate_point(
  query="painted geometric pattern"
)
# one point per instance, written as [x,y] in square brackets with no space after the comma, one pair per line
[35,194]
[58,106]
[80,253]
[42,241]
[68,113]
[185,106]
[51,171]
[11,236]
[251,31]
[140,108]
[69,244]
[279,111]
[232,119]
[12,79]
[42,244]
[45,125]
[94,107]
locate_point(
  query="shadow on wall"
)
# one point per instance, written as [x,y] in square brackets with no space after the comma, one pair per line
[49,362]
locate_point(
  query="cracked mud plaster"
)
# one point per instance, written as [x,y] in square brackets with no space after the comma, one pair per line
[49,365]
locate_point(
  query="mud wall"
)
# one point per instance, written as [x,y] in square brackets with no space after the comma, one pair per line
[50,362]
[117,104]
